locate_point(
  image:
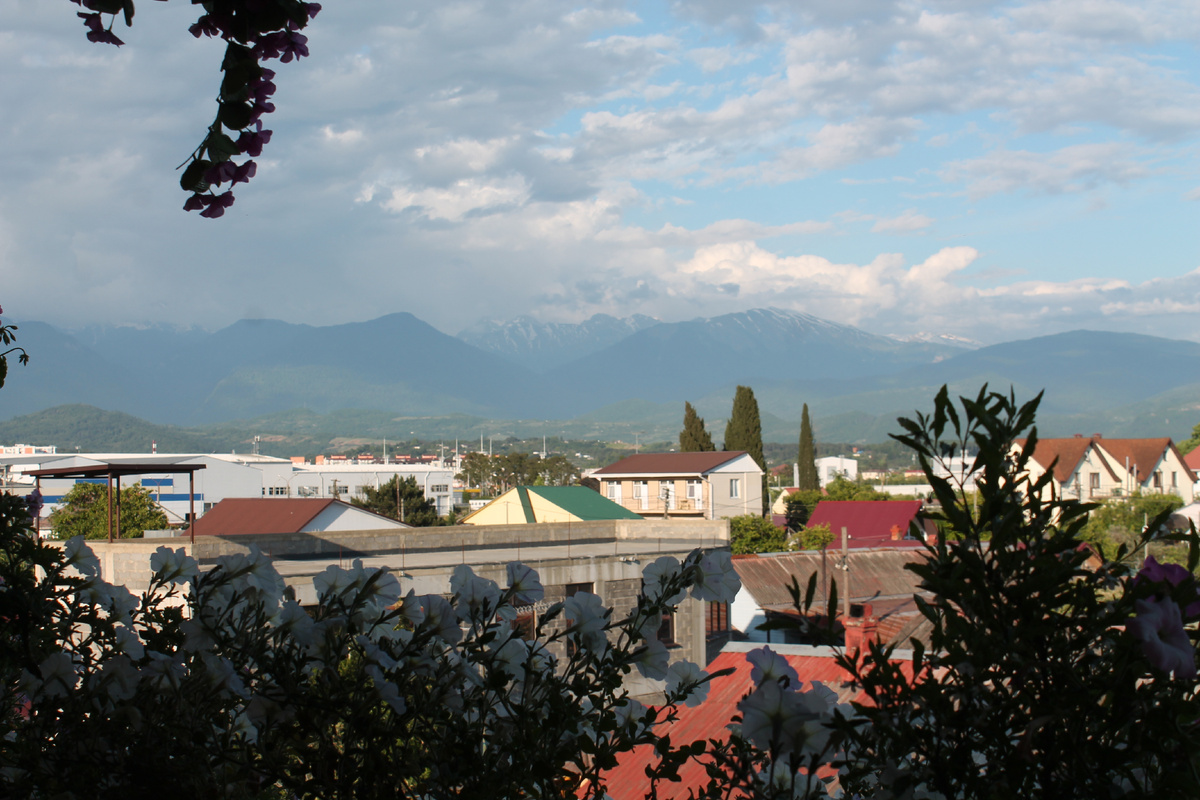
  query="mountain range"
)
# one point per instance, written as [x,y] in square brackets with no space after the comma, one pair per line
[601,376]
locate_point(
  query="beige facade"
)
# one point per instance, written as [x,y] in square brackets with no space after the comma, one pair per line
[1095,468]
[682,485]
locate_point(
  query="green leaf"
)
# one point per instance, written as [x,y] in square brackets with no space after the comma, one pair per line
[192,179]
[128,9]
[234,116]
[221,148]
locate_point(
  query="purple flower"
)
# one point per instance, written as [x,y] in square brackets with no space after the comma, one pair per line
[205,26]
[312,9]
[33,502]
[217,205]
[220,173]
[1157,573]
[1159,627]
[251,142]
[96,30]
[244,172]
[194,203]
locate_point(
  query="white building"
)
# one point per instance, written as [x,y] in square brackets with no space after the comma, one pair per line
[229,476]
[831,467]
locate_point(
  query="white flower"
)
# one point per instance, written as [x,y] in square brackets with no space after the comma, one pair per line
[652,660]
[386,589]
[440,616]
[222,676]
[59,675]
[1159,627]
[334,581]
[656,575]
[121,603]
[374,654]
[716,580]
[163,671]
[127,641]
[475,599]
[411,609]
[174,566]
[388,691]
[770,666]
[525,584]
[260,574]
[587,616]
[685,676]
[78,555]
[769,718]
[116,677]
[242,726]
[511,657]
[293,619]
[631,714]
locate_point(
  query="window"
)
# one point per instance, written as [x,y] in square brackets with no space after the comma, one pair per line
[614,492]
[575,588]
[695,494]
[641,492]
[439,488]
[718,618]
[525,626]
[1174,480]
[277,491]
[1158,479]
[666,631]
[735,487]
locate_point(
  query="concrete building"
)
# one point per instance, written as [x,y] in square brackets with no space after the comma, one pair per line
[697,485]
[230,476]
[603,557]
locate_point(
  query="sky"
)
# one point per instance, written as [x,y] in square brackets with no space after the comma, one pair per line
[992,171]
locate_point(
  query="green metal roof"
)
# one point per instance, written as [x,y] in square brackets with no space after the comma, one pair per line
[585,503]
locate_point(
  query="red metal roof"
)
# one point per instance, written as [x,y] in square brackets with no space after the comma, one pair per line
[868,522]
[879,573]
[670,463]
[236,516]
[627,781]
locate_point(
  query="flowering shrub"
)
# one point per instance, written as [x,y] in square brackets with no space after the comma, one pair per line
[254,31]
[1045,677]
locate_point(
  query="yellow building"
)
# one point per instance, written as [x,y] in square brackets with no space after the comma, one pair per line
[548,504]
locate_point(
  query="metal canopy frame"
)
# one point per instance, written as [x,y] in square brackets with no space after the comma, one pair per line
[116,469]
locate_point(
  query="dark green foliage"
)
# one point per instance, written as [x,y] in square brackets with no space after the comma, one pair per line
[1192,442]
[84,512]
[751,533]
[744,432]
[400,499]
[1030,687]
[800,507]
[842,489]
[694,438]
[1121,521]
[806,456]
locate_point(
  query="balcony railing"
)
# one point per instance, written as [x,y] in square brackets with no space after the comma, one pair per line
[656,505]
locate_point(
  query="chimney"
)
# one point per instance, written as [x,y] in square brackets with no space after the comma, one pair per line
[897,533]
[860,633]
[153,446]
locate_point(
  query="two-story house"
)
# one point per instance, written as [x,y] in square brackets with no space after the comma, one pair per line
[706,485]
[1094,468]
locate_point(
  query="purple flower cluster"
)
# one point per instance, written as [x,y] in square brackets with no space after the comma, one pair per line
[1159,621]
[33,502]
[254,31]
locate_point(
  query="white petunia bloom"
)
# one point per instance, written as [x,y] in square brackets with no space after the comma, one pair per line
[163,671]
[59,675]
[334,581]
[174,566]
[587,616]
[293,619]
[475,599]
[717,581]
[511,658]
[652,660]
[116,677]
[78,555]
[687,676]
[128,642]
[525,583]
[769,666]
[655,577]
[440,617]
[388,691]
[222,676]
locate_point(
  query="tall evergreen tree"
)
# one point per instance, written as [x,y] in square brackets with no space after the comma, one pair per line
[694,437]
[807,455]
[744,432]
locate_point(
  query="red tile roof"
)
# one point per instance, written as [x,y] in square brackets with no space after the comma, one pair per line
[1069,453]
[236,516]
[670,463]
[1141,453]
[627,781]
[868,522]
[1192,459]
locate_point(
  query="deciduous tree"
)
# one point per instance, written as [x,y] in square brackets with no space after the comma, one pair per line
[84,512]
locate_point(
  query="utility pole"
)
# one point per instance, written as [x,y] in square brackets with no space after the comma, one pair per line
[845,568]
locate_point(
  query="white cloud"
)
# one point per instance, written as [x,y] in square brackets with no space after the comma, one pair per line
[463,197]
[907,222]
[1076,168]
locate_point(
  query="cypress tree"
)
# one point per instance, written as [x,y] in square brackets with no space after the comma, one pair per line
[694,437]
[744,432]
[807,455]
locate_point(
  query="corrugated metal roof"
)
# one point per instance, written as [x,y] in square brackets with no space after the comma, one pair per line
[670,463]
[874,574]
[869,522]
[628,781]
[236,516]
